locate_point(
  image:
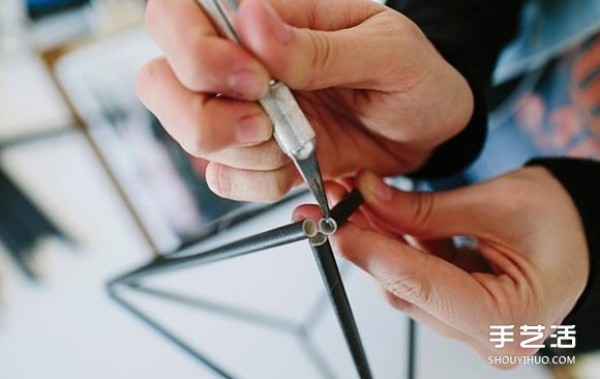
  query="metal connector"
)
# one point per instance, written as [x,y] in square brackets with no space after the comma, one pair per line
[328,226]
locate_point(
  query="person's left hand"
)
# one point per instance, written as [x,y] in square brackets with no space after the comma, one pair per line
[529,267]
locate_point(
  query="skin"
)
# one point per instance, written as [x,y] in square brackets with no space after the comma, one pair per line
[529,266]
[366,77]
[370,83]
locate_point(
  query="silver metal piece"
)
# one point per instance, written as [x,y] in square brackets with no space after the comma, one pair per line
[221,13]
[291,128]
[318,240]
[310,228]
[328,226]
[311,173]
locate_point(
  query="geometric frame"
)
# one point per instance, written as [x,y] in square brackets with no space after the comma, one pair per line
[308,229]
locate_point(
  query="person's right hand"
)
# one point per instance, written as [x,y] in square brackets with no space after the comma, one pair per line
[376,91]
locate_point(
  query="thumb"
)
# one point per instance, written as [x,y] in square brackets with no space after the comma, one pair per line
[308,59]
[439,288]
[427,215]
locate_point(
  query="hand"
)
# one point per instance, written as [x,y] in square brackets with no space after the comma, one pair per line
[529,267]
[376,91]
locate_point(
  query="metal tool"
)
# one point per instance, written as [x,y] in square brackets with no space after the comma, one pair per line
[292,130]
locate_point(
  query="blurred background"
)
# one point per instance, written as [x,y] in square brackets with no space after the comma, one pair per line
[91,186]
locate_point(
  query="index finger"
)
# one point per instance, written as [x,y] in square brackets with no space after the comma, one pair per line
[200,58]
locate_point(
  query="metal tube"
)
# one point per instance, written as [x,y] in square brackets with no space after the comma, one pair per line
[168,335]
[315,356]
[223,310]
[341,305]
[230,220]
[411,364]
[345,208]
[273,238]
[328,226]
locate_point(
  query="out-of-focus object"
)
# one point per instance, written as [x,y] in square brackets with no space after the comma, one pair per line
[116,15]
[548,112]
[30,104]
[22,225]
[12,21]
[56,23]
[163,186]
[37,9]
[53,23]
[587,367]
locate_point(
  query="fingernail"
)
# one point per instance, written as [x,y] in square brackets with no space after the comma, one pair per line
[247,83]
[253,129]
[280,29]
[375,186]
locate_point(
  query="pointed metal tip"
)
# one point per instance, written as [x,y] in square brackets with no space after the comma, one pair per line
[311,173]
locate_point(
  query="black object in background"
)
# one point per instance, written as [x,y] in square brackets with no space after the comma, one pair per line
[37,9]
[22,225]
[210,205]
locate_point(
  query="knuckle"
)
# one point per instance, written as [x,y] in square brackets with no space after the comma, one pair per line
[188,75]
[189,60]
[195,138]
[246,186]
[219,180]
[186,60]
[147,77]
[191,73]
[408,287]
[282,181]
[196,145]
[200,138]
[321,59]
[424,206]
[190,147]
[397,303]
[271,156]
[143,82]
[192,68]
